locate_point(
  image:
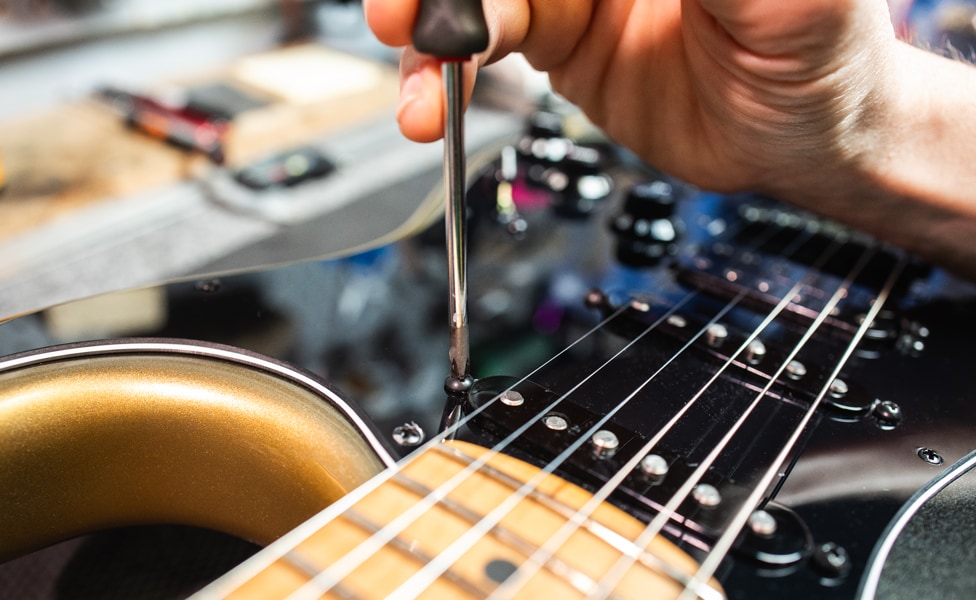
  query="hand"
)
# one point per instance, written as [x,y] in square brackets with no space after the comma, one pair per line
[727,94]
[811,101]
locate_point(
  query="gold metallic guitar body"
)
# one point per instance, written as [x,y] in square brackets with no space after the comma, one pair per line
[111,434]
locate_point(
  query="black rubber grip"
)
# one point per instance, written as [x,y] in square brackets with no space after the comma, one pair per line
[451,29]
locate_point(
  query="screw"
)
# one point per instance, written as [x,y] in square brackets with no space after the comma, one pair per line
[831,559]
[888,412]
[930,456]
[408,434]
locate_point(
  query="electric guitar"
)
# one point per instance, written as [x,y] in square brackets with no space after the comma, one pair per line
[677,395]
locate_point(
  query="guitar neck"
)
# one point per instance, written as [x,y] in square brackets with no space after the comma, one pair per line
[467,541]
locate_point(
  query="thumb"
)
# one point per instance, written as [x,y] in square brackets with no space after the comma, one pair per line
[421,109]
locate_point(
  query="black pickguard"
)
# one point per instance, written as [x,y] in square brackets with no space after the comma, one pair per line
[373,324]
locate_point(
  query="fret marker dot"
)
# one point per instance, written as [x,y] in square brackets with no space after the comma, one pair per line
[500,570]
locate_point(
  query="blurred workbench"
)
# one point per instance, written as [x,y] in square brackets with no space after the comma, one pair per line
[92,206]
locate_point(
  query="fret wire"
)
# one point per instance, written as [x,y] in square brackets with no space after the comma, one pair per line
[347,563]
[612,484]
[682,494]
[708,567]
[402,546]
[264,559]
[524,547]
[294,559]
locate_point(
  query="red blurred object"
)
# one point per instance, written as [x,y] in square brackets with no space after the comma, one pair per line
[182,126]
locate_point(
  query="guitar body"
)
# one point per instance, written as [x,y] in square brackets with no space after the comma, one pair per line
[738,357]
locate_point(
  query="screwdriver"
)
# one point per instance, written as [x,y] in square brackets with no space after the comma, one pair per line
[454,31]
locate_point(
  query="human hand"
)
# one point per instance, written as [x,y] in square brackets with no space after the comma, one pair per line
[727,94]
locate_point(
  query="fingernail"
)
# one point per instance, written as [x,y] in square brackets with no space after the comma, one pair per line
[411,90]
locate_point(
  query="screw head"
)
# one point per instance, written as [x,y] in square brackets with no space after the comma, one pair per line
[888,412]
[930,456]
[831,559]
[408,434]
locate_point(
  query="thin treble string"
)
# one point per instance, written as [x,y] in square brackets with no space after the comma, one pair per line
[520,577]
[724,544]
[345,565]
[276,550]
[291,540]
[654,528]
[423,578]
[426,576]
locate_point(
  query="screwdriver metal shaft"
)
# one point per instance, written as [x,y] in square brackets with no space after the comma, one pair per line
[455,218]
[454,31]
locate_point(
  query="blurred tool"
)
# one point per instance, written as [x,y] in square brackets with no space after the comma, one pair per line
[454,30]
[181,125]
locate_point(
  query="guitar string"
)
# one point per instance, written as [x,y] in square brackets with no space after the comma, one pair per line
[724,544]
[654,528]
[341,568]
[285,545]
[431,571]
[552,545]
[428,574]
[320,585]
[291,540]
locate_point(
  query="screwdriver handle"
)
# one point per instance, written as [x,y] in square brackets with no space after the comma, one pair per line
[451,29]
